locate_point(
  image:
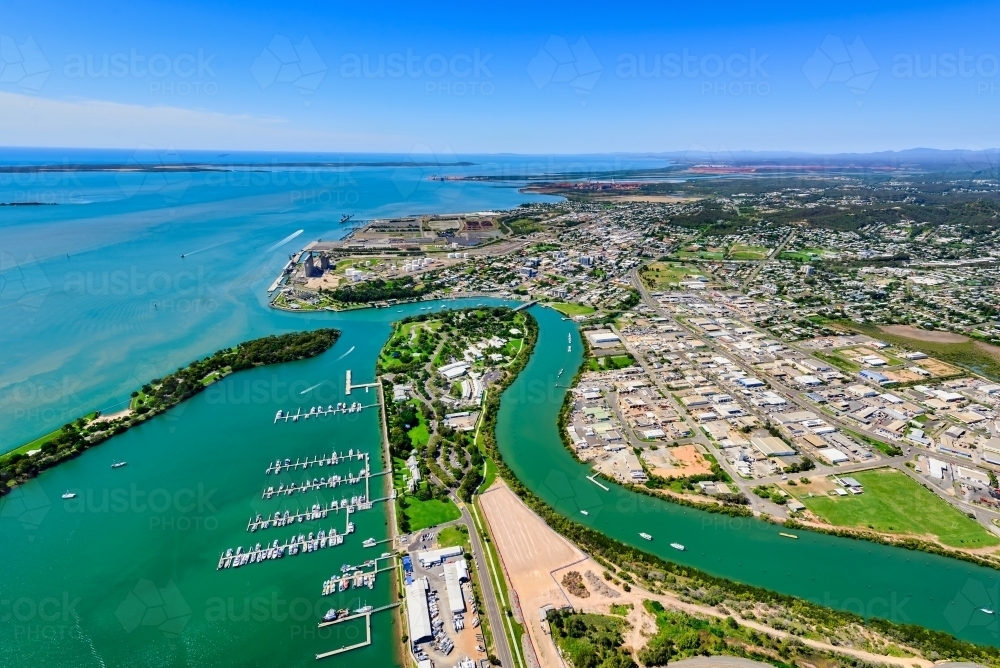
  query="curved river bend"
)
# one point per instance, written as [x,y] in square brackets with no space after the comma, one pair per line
[125,573]
[874,580]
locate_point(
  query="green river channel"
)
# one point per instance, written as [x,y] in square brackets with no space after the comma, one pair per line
[125,573]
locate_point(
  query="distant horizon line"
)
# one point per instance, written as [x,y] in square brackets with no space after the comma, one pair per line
[452,156]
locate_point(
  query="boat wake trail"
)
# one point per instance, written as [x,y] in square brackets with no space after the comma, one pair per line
[284,241]
[349,351]
[310,389]
[201,250]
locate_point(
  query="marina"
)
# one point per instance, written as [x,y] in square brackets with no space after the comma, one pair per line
[317,512]
[335,458]
[367,613]
[341,408]
[349,386]
[316,484]
[296,545]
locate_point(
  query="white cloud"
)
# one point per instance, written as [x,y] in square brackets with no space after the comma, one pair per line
[34,121]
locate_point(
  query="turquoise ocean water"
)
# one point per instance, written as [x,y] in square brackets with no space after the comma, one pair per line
[96,300]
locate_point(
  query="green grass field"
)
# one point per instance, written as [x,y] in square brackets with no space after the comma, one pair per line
[700,255]
[660,275]
[744,252]
[42,440]
[420,434]
[570,309]
[894,503]
[456,535]
[841,363]
[424,514]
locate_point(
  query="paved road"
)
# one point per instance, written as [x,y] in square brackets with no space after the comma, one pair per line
[493,611]
[983,515]
[760,265]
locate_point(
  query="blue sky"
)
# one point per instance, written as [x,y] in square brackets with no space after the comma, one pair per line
[454,78]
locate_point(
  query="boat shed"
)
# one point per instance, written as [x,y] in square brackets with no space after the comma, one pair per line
[454,573]
[430,558]
[417,613]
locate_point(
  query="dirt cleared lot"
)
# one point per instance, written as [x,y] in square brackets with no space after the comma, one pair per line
[530,551]
[923,334]
[683,461]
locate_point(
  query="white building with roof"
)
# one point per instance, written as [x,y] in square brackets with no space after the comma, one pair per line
[417,613]
[430,558]
[454,573]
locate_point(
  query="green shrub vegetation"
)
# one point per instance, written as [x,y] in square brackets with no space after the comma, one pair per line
[590,641]
[379,289]
[159,394]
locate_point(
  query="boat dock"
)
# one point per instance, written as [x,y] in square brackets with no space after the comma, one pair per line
[368,629]
[359,614]
[594,480]
[335,458]
[295,545]
[350,387]
[317,512]
[332,482]
[357,575]
[319,411]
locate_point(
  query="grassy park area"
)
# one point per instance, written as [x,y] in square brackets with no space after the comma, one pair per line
[894,503]
[745,252]
[455,536]
[571,309]
[661,275]
[424,514]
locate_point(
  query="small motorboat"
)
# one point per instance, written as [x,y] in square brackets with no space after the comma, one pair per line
[987,611]
[646,536]
[584,512]
[678,546]
[118,465]
[69,495]
[787,535]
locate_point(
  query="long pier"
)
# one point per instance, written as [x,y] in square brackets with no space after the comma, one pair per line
[367,641]
[292,547]
[368,629]
[593,479]
[317,512]
[324,483]
[359,614]
[319,411]
[322,460]
[350,387]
